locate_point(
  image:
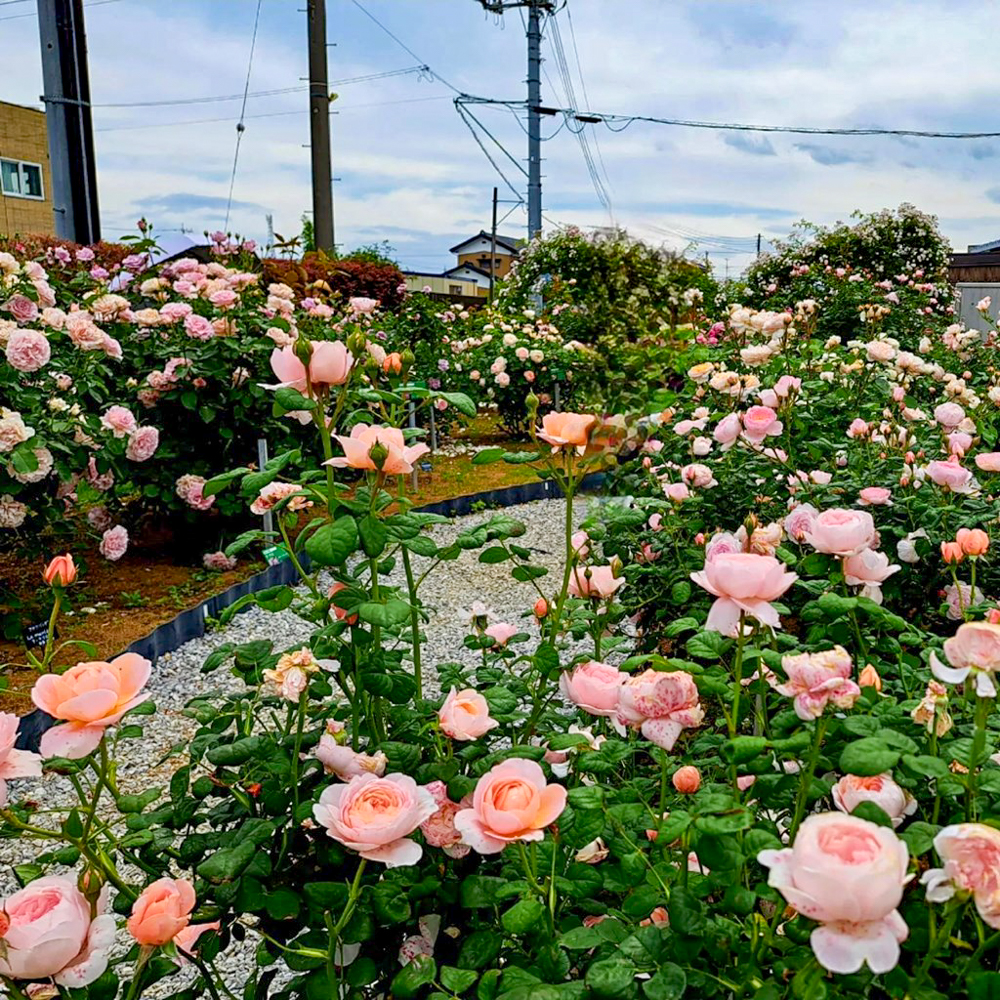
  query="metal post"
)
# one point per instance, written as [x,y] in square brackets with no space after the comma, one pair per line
[261,462]
[434,431]
[758,244]
[319,127]
[493,245]
[412,421]
[68,121]
[534,118]
[557,400]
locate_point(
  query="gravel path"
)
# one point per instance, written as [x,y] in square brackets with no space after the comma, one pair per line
[447,594]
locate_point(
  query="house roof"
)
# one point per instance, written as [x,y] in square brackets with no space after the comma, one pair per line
[466,267]
[987,247]
[981,258]
[503,242]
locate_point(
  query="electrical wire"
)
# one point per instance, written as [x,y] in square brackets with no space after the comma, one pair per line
[34,13]
[462,113]
[240,126]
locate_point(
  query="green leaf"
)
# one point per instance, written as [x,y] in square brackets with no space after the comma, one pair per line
[706,645]
[833,605]
[611,977]
[228,863]
[868,757]
[237,752]
[390,904]
[925,765]
[873,813]
[742,749]
[479,949]
[457,980]
[680,592]
[668,984]
[580,938]
[373,536]
[413,977]
[291,399]
[586,797]
[333,542]
[218,483]
[422,545]
[919,836]
[460,401]
[275,599]
[487,455]
[522,916]
[495,554]
[282,904]
[393,612]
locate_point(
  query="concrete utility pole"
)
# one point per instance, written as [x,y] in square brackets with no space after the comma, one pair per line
[534,119]
[493,246]
[68,121]
[319,127]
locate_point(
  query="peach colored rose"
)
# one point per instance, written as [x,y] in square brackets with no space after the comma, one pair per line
[50,933]
[345,763]
[869,677]
[971,856]
[374,816]
[687,779]
[501,633]
[975,649]
[439,829]
[60,572]
[465,715]
[567,430]
[335,588]
[329,364]
[594,687]
[186,941]
[815,679]
[662,704]
[598,582]
[512,802]
[849,875]
[87,699]
[841,532]
[743,582]
[974,541]
[895,802]
[951,552]
[14,763]
[357,450]
[161,912]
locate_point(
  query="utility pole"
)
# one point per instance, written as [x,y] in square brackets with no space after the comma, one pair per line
[758,244]
[493,245]
[319,127]
[68,121]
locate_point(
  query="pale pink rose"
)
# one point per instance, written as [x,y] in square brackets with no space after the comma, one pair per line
[580,543]
[786,385]
[875,496]
[198,327]
[698,475]
[857,429]
[22,308]
[111,347]
[174,312]
[273,493]
[375,816]
[420,944]
[841,532]
[880,789]
[662,704]
[975,649]
[869,569]
[120,421]
[971,856]
[186,940]
[465,715]
[28,350]
[849,875]
[362,305]
[51,934]
[820,478]
[161,912]
[721,543]
[988,461]
[593,686]
[88,698]
[512,802]
[14,763]
[678,492]
[768,397]
[798,522]
[655,522]
[815,679]
[596,582]
[142,444]
[593,853]
[951,475]
[760,422]
[567,430]
[357,450]
[218,561]
[345,763]
[949,414]
[501,633]
[743,583]
[224,298]
[959,443]
[114,543]
[189,488]
[727,430]
[439,829]
[330,363]
[960,597]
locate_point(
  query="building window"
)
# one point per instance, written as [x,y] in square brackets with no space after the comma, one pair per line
[454,289]
[21,180]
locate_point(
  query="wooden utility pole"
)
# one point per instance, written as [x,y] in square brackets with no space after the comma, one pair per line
[319,127]
[493,245]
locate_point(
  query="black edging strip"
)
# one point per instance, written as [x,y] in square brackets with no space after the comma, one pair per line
[190,624]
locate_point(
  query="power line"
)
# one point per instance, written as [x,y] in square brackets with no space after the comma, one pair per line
[34,13]
[240,126]
[464,115]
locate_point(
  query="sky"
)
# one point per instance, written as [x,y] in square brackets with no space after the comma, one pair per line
[409,171]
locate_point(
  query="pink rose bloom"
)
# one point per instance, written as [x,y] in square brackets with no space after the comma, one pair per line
[743,582]
[988,461]
[176,311]
[374,816]
[841,532]
[662,704]
[198,327]
[857,429]
[975,649]
[567,430]
[959,443]
[114,543]
[359,304]
[798,522]
[875,496]
[596,582]
[971,856]
[949,414]
[786,385]
[88,698]
[189,488]
[161,912]
[28,350]
[119,420]
[655,522]
[895,802]
[329,364]
[815,679]
[760,422]
[869,569]
[951,475]
[439,830]
[142,444]
[769,397]
[273,493]
[698,475]
[218,561]
[594,687]
[721,543]
[345,763]
[465,715]
[727,430]
[358,447]
[512,802]
[678,492]
[501,633]
[22,308]
[225,298]
[186,940]
[51,934]
[580,543]
[14,763]
[849,875]
[820,478]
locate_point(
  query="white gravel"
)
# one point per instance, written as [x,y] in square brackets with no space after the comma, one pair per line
[447,593]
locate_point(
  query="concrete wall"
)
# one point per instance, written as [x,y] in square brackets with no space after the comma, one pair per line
[969,294]
[22,137]
[441,285]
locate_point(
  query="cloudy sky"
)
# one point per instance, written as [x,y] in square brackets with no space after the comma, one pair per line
[409,171]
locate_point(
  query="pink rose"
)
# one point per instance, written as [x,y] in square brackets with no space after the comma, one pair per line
[597,582]
[142,444]
[698,475]
[959,443]
[114,543]
[374,816]
[399,457]
[439,830]
[815,679]
[14,763]
[662,704]
[875,496]
[330,363]
[224,298]
[841,532]
[512,802]
[501,633]
[743,582]
[465,715]
[820,478]
[28,350]
[849,875]
[720,544]
[868,567]
[951,475]
[857,429]
[727,430]
[880,789]
[345,763]
[971,856]
[580,543]
[186,940]
[949,414]
[88,698]
[51,933]
[593,686]
[786,385]
[988,461]
[198,327]
[975,649]
[799,521]
[362,305]
[119,420]
[218,561]
[678,492]
[189,488]
[22,308]
[760,422]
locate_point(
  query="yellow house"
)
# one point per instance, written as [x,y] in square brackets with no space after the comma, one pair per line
[452,284]
[477,250]
[25,181]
